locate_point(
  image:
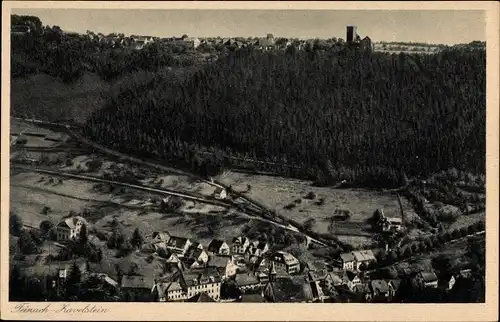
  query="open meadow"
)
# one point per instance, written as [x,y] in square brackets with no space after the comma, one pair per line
[320,207]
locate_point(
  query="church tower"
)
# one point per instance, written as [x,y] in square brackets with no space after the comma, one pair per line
[268,290]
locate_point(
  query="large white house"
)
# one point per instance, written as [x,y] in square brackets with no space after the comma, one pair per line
[70,228]
[352,261]
[284,261]
[188,285]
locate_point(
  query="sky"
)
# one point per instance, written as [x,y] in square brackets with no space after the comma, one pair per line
[430,26]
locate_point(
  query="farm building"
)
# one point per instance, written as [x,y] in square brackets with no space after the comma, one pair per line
[220,193]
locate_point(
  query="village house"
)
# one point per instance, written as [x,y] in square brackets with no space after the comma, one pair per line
[184,287]
[463,274]
[262,276]
[285,261]
[347,261]
[260,264]
[240,245]
[198,254]
[160,239]
[284,289]
[365,257]
[317,276]
[353,260]
[219,247]
[351,280]
[380,290]
[224,264]
[363,292]
[169,256]
[220,193]
[190,263]
[70,228]
[64,269]
[179,245]
[392,224]
[106,279]
[202,297]
[32,224]
[247,282]
[169,290]
[394,285]
[192,43]
[205,280]
[255,251]
[264,44]
[196,245]
[251,255]
[334,279]
[138,42]
[426,279]
[366,44]
[261,247]
[316,271]
[160,236]
[136,288]
[228,41]
[317,293]
[315,266]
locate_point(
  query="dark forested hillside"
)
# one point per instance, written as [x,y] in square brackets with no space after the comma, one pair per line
[343,115]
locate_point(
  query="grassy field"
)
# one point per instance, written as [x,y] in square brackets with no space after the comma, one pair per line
[193,225]
[280,194]
[145,176]
[467,220]
[35,136]
[29,194]
[43,95]
[27,200]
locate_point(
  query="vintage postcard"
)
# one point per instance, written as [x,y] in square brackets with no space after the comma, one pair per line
[227,161]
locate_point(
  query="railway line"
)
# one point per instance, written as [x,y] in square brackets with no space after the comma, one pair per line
[258,210]
[123,184]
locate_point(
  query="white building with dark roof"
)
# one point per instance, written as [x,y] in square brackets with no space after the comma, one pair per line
[70,228]
[220,193]
[219,247]
[352,261]
[347,261]
[225,265]
[284,261]
[240,245]
[426,279]
[247,281]
[179,245]
[185,286]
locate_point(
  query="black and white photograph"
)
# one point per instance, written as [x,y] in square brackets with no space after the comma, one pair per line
[247,156]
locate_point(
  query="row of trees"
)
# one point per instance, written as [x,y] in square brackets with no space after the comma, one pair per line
[465,290]
[427,244]
[365,118]
[75,287]
[117,240]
